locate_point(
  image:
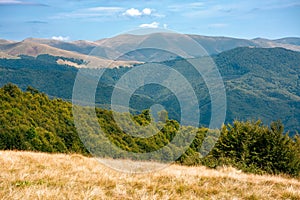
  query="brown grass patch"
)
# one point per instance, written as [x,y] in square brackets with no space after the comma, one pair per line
[28,175]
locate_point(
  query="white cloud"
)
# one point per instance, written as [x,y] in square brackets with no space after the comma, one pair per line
[147,11]
[17,2]
[165,26]
[93,12]
[151,25]
[132,12]
[61,38]
[194,5]
[104,9]
[10,2]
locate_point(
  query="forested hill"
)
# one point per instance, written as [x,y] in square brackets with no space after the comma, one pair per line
[260,84]
[31,121]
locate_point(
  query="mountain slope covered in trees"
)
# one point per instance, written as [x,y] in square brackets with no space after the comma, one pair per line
[31,121]
[260,84]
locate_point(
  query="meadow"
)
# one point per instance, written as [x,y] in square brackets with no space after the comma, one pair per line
[32,175]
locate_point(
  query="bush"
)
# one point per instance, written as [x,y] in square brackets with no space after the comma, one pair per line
[252,147]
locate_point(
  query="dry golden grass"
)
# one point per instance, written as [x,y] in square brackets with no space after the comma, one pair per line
[28,175]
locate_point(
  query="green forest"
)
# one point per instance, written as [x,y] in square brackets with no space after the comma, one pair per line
[266,78]
[30,120]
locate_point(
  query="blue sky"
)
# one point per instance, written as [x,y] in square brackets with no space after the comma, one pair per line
[96,19]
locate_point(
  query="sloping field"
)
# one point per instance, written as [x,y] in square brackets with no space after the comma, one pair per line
[27,175]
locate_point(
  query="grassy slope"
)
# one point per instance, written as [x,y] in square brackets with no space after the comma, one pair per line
[27,175]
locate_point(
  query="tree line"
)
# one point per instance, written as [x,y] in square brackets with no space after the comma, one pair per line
[30,120]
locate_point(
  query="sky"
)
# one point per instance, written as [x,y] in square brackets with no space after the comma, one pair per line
[97,19]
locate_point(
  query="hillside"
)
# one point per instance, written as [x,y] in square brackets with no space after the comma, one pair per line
[289,40]
[31,121]
[35,47]
[27,175]
[261,83]
[81,46]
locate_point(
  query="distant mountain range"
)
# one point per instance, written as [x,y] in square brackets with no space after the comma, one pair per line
[35,47]
[261,83]
[105,50]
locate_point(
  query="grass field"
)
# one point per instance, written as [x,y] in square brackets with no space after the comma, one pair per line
[27,175]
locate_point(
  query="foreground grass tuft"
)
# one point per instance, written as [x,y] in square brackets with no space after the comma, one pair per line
[28,175]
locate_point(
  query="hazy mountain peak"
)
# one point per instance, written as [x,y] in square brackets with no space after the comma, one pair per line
[115,47]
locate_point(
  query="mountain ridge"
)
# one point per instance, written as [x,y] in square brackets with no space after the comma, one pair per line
[115,47]
[31,47]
